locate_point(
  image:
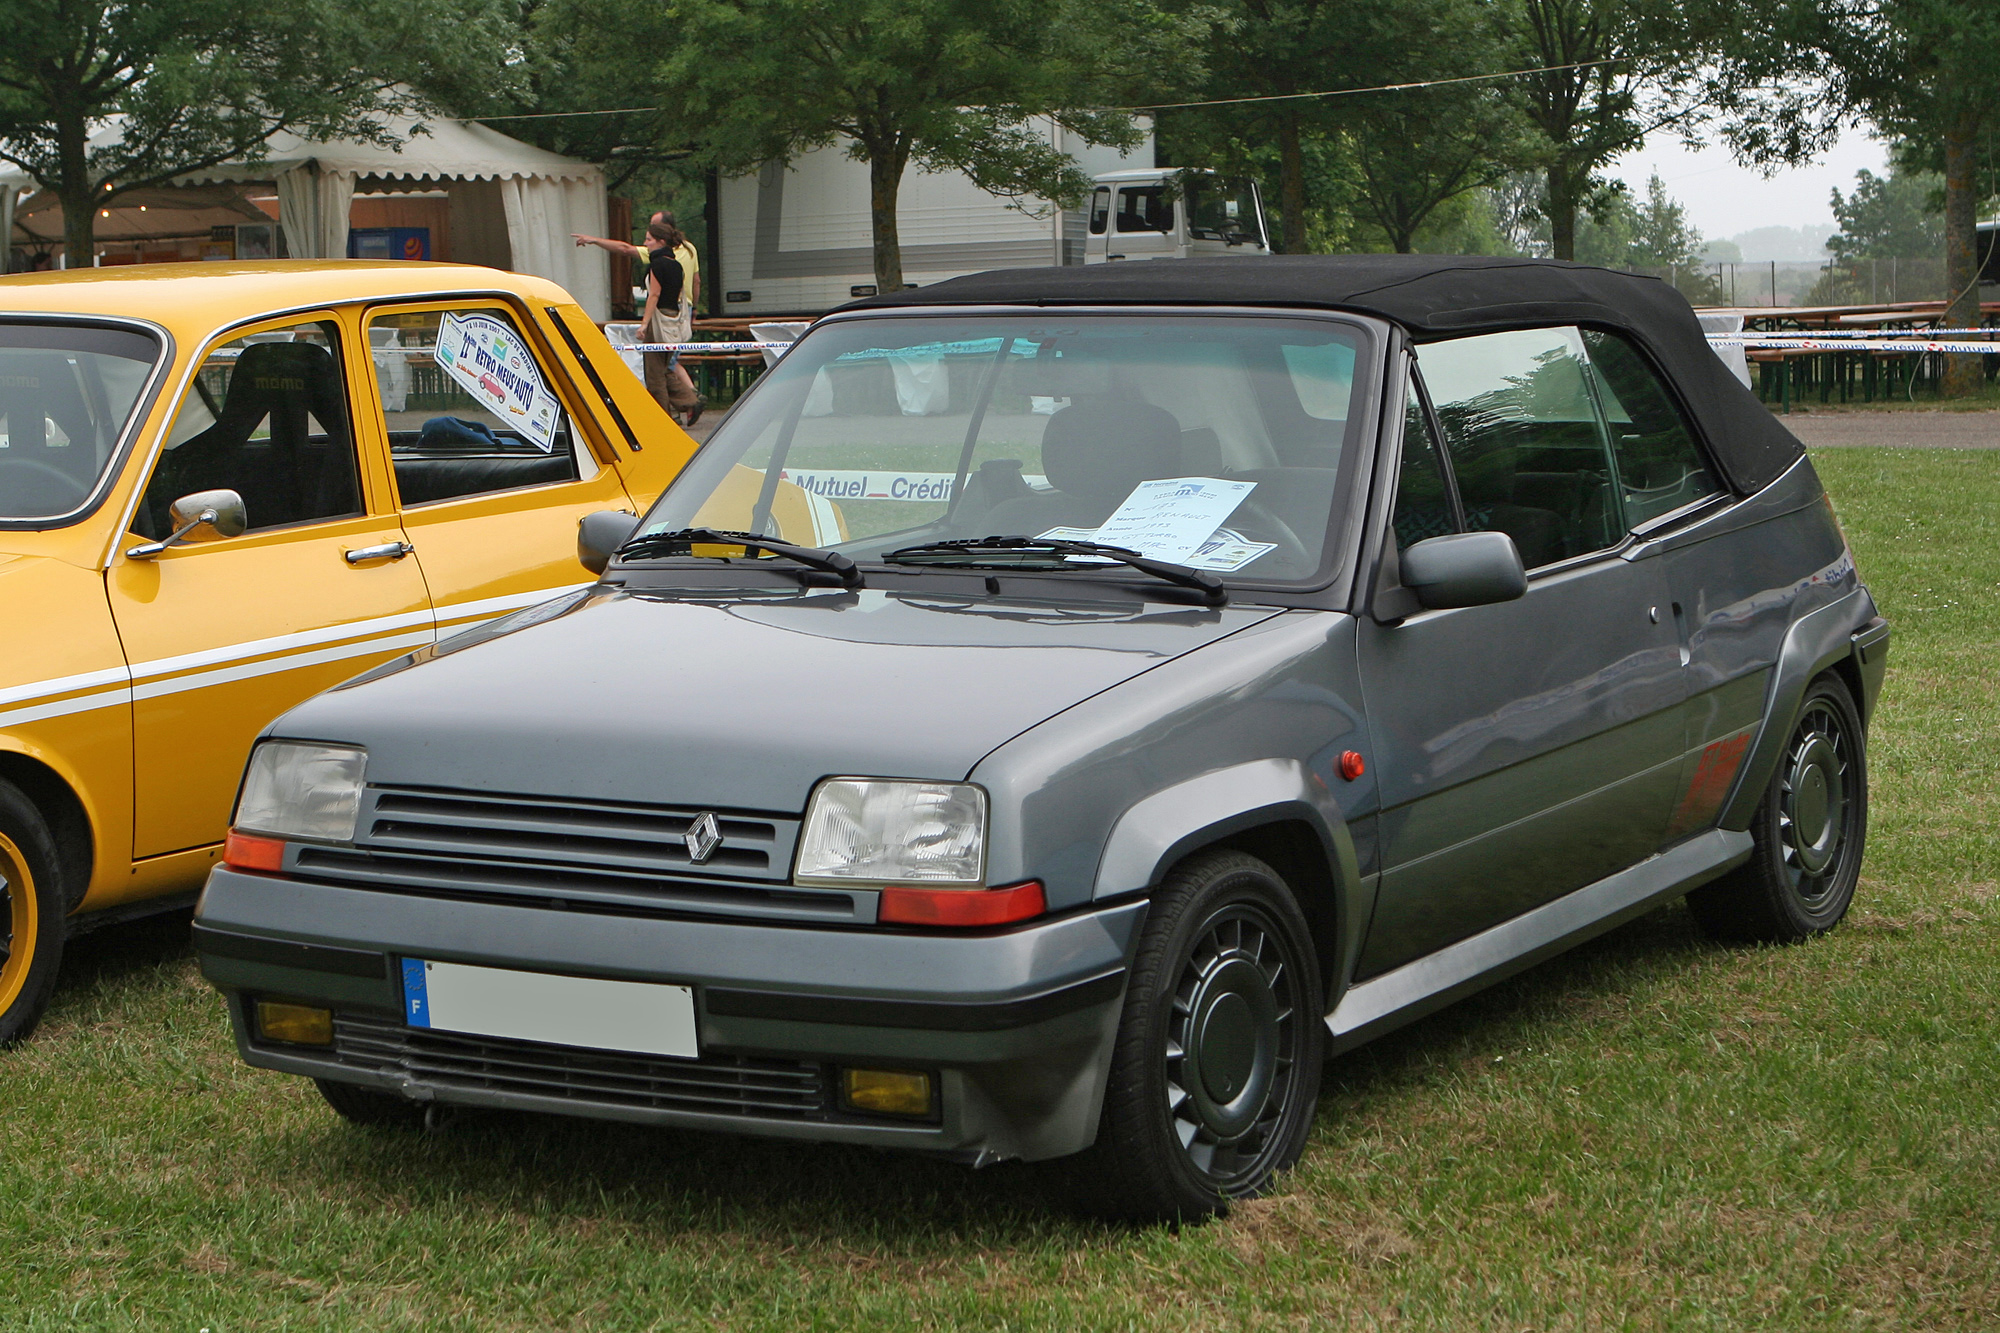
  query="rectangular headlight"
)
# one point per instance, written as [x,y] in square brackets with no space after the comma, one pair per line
[296,789]
[884,831]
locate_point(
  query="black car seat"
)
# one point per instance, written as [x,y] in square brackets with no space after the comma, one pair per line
[1094,452]
[290,477]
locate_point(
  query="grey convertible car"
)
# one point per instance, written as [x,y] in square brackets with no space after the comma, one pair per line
[1059,709]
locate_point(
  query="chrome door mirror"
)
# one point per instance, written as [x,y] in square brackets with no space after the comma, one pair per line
[204,516]
[599,535]
[1464,569]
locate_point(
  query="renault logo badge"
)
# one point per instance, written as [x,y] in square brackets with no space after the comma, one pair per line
[704,835]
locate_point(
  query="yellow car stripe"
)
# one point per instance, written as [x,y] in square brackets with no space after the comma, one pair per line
[371,636]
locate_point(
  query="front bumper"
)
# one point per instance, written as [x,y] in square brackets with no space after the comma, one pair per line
[1018,1024]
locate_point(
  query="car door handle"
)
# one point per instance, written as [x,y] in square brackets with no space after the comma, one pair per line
[386,551]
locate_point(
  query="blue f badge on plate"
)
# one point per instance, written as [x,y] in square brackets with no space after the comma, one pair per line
[416,995]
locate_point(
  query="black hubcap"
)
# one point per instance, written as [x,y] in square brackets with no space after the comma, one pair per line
[1815,803]
[1232,1045]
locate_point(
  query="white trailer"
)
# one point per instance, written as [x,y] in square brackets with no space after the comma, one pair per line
[796,239]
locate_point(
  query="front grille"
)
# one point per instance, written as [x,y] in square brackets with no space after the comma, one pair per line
[531,884]
[581,855]
[717,1085]
[641,839]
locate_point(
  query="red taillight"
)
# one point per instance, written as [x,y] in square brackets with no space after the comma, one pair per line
[247,851]
[962,907]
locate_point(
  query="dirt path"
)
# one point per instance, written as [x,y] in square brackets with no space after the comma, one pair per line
[1909,430]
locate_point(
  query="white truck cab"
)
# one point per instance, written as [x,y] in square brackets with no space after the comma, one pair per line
[1161,213]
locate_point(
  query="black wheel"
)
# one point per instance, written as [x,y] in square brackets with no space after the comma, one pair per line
[365,1106]
[31,915]
[1810,829]
[1216,1069]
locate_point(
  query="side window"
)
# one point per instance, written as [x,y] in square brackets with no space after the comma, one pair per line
[468,408]
[1145,208]
[1423,501]
[1522,433]
[1100,209]
[1660,469]
[266,416]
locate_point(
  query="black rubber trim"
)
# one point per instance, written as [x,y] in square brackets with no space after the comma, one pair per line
[590,372]
[935,1015]
[289,953]
[1869,637]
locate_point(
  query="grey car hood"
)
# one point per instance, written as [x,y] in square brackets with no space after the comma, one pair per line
[742,702]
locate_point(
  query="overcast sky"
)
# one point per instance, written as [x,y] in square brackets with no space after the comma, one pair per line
[1723,199]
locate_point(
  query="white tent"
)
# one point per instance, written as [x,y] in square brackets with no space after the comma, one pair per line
[512,205]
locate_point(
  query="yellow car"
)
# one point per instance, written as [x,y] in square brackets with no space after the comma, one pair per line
[225,487]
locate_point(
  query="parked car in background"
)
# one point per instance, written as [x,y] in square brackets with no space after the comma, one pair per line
[224,487]
[1209,667]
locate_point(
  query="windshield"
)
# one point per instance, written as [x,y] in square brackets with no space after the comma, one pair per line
[1223,210]
[1216,442]
[66,394]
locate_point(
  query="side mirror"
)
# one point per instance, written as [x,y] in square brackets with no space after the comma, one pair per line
[1464,569]
[599,535]
[204,516]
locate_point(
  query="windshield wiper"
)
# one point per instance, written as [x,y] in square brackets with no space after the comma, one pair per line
[968,550]
[684,541]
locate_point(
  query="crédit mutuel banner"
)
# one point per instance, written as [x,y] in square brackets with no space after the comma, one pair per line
[487,357]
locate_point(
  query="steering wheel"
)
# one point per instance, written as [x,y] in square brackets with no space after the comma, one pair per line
[1272,528]
[64,480]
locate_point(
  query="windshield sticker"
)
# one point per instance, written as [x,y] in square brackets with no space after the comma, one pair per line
[851,485]
[1226,551]
[1172,518]
[487,358]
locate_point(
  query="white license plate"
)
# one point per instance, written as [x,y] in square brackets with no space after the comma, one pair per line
[637,1016]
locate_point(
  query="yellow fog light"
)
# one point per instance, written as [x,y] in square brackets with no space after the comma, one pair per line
[298,1024]
[886,1091]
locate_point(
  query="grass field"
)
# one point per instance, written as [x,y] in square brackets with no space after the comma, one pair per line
[1653,1132]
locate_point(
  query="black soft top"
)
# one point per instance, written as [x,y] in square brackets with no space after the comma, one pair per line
[1431,297]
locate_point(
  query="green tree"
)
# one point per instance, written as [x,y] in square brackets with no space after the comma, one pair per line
[1889,217]
[944,85]
[1413,149]
[574,61]
[1614,71]
[1279,49]
[193,83]
[1922,71]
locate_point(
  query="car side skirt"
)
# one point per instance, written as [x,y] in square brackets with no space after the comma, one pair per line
[1384,1003]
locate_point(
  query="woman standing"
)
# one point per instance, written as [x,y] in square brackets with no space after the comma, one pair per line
[668,318]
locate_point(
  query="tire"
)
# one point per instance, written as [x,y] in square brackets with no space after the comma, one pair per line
[1215,1073]
[32,913]
[1810,830]
[365,1106]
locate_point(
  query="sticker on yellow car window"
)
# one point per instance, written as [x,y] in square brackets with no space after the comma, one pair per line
[486,356]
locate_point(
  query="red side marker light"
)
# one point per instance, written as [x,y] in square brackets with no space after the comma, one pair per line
[1352,765]
[962,907]
[247,851]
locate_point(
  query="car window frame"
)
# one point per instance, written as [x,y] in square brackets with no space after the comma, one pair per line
[1633,534]
[584,443]
[1724,493]
[368,466]
[119,465]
